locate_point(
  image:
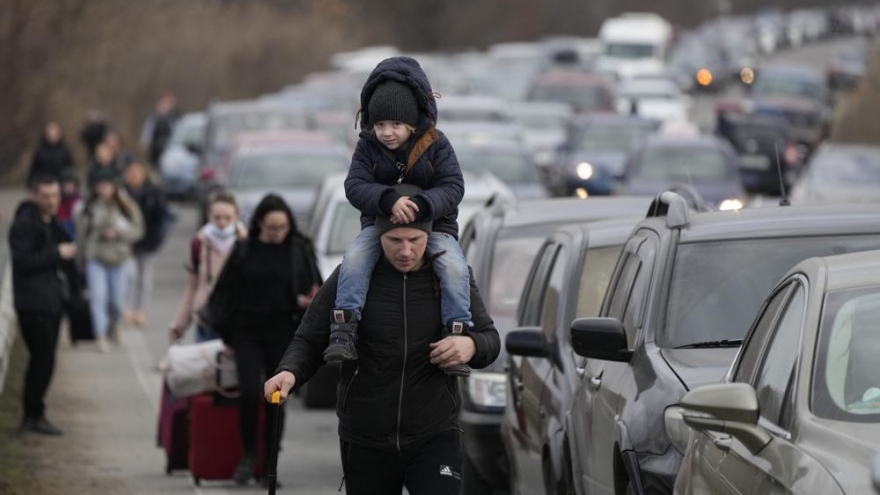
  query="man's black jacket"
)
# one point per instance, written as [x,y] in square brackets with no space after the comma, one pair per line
[37,284]
[392,397]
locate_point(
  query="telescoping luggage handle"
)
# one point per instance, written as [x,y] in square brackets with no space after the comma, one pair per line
[272,475]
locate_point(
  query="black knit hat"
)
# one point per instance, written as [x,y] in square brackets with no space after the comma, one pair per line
[384,224]
[393,101]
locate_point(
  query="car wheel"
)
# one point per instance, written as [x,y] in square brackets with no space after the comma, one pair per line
[471,483]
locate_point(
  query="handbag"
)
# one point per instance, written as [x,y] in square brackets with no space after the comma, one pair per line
[193,369]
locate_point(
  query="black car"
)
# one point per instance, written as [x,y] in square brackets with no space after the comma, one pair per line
[681,299]
[568,280]
[500,244]
[767,149]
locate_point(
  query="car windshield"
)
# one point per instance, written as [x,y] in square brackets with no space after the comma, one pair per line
[225,128]
[788,86]
[188,131]
[718,287]
[683,164]
[746,132]
[510,166]
[285,170]
[847,167]
[629,51]
[542,121]
[344,227]
[581,96]
[846,381]
[514,252]
[605,138]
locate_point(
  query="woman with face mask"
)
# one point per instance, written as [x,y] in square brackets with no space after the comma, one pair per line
[208,252]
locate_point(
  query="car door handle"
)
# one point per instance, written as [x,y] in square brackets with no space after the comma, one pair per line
[723,443]
[596,381]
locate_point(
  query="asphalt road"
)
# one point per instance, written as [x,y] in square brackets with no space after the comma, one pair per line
[121,390]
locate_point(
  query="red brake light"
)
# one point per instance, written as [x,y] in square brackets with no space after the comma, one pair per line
[792,155]
[208,173]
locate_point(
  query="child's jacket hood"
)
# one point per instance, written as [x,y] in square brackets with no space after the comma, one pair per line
[405,70]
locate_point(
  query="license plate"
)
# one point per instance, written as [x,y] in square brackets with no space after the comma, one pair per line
[755,162]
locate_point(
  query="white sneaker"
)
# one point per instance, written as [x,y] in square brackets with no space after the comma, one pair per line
[103,345]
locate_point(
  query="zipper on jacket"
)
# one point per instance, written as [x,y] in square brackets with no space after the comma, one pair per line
[403,368]
[348,388]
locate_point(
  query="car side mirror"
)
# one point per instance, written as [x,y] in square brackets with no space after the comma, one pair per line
[528,341]
[600,338]
[726,407]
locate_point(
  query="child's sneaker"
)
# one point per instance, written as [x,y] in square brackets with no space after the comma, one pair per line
[343,337]
[456,328]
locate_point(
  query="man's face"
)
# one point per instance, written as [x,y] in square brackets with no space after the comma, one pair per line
[404,248]
[47,198]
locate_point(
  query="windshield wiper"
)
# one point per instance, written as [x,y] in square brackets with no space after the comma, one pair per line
[712,343]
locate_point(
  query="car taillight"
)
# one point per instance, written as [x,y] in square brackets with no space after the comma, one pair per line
[208,173]
[792,155]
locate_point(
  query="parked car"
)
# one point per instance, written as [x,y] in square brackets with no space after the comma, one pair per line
[768,152]
[799,410]
[698,65]
[511,163]
[500,243]
[840,173]
[847,68]
[791,81]
[594,153]
[292,165]
[678,305]
[807,121]
[567,280]
[179,164]
[706,163]
[586,93]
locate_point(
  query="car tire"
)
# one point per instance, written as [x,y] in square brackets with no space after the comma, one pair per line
[471,482]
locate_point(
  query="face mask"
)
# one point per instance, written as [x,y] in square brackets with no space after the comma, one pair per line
[224,233]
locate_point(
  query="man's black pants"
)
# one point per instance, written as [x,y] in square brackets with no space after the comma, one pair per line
[40,334]
[433,468]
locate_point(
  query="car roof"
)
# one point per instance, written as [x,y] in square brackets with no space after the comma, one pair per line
[602,233]
[783,221]
[785,103]
[612,119]
[661,140]
[568,210]
[851,270]
[570,77]
[285,138]
[791,70]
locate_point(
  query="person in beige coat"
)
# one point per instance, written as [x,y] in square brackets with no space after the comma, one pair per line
[208,252]
[110,223]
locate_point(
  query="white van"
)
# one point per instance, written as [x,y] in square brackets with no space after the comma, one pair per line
[634,44]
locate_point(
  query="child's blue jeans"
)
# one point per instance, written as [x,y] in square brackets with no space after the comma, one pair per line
[450,267]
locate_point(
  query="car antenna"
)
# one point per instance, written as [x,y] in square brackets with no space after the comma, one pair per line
[784,201]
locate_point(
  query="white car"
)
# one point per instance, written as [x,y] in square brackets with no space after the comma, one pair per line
[656,98]
[335,222]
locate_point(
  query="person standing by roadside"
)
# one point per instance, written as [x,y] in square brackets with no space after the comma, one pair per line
[260,297]
[93,131]
[159,126]
[43,278]
[121,157]
[154,210]
[104,159]
[52,157]
[208,252]
[398,409]
[109,225]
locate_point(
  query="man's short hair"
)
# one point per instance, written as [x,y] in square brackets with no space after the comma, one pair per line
[38,181]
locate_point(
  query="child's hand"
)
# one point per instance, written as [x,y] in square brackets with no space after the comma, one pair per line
[404,211]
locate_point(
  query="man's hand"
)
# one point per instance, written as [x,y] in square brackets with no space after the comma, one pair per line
[282,382]
[453,351]
[175,332]
[404,211]
[67,250]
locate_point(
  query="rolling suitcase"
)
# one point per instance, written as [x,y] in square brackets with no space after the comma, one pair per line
[215,443]
[173,434]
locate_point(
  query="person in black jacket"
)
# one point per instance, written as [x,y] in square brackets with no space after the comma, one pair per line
[261,294]
[52,157]
[154,209]
[43,280]
[400,145]
[398,411]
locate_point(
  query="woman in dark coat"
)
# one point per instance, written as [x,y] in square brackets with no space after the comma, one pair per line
[52,158]
[261,295]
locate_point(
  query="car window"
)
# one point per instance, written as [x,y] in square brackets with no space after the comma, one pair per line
[553,294]
[536,284]
[778,362]
[511,262]
[595,277]
[631,266]
[754,346]
[846,381]
[345,226]
[632,316]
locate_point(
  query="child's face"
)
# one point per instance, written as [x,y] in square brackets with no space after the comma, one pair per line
[392,134]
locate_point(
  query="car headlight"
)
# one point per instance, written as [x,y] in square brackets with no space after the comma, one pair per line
[676,430]
[730,204]
[488,389]
[584,170]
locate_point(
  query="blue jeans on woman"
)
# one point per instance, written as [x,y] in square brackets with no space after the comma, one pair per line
[106,285]
[450,267]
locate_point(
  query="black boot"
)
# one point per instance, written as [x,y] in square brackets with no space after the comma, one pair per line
[343,337]
[245,469]
[456,328]
[41,426]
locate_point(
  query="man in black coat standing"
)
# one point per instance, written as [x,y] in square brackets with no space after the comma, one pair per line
[398,411]
[43,277]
